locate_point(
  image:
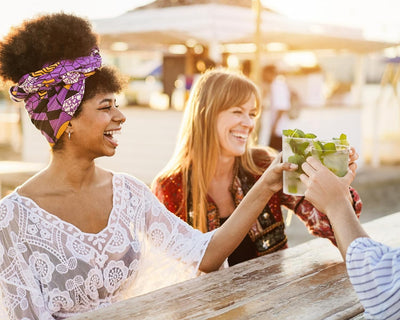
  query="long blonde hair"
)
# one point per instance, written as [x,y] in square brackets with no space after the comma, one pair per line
[198,148]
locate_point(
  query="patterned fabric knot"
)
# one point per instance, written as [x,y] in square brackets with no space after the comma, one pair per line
[53,93]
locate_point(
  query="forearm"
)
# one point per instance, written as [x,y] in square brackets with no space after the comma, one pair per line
[232,232]
[345,225]
[316,220]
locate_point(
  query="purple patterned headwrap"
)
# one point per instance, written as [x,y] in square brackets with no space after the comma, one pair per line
[54,93]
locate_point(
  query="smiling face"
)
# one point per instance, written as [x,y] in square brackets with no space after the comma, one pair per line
[93,131]
[234,126]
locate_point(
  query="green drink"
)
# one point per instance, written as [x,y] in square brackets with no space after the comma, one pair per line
[333,154]
[297,146]
[295,150]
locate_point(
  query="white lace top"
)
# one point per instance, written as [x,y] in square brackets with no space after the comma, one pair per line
[49,269]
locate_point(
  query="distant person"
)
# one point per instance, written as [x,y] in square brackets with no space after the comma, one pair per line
[276,99]
[246,68]
[216,164]
[77,237]
[373,268]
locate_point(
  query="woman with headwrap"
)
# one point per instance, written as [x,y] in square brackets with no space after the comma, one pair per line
[77,237]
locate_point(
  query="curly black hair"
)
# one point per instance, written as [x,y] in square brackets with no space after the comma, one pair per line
[51,38]
[48,39]
[45,39]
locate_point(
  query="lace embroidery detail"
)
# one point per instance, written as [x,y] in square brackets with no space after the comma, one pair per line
[50,268]
[59,300]
[40,263]
[114,274]
[6,215]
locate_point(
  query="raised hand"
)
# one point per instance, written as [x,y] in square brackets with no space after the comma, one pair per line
[272,177]
[324,188]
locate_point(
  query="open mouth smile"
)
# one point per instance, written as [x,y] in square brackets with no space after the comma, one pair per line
[109,135]
[240,136]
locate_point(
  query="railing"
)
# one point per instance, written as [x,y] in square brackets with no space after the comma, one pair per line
[308,281]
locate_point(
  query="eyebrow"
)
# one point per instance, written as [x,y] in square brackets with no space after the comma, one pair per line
[107,100]
[241,107]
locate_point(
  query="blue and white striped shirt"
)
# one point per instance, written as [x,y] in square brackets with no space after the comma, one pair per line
[374,271]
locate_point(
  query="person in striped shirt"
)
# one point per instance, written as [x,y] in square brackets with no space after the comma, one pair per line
[373,268]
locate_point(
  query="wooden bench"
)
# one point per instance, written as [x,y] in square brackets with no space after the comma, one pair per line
[308,281]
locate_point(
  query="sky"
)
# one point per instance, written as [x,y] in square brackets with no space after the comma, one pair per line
[376,17]
[91,9]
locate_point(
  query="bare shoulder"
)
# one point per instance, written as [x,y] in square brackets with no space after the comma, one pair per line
[33,186]
[103,177]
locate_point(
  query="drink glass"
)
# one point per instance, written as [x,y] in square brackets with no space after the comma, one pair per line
[295,150]
[333,155]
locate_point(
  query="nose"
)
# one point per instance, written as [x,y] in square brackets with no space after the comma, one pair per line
[119,116]
[248,121]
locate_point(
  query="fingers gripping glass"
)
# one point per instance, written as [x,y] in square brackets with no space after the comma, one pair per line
[297,146]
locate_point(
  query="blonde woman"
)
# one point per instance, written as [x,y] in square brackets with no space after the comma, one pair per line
[216,164]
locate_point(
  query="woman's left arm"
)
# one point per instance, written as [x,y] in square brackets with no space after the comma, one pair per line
[232,232]
[175,237]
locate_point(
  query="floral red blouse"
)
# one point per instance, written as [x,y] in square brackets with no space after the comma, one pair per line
[267,234]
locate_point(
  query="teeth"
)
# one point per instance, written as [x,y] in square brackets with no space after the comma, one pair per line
[112,132]
[240,135]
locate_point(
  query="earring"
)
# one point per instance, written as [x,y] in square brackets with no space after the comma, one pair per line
[69,135]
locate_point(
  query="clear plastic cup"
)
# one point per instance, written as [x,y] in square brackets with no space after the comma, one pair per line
[333,155]
[295,150]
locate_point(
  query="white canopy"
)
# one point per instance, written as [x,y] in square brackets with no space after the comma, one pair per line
[216,23]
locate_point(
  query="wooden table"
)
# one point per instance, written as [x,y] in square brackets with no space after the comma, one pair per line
[308,281]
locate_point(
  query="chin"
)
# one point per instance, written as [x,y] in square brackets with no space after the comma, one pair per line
[240,152]
[109,153]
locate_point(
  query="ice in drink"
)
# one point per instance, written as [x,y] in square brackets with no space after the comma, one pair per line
[333,154]
[295,150]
